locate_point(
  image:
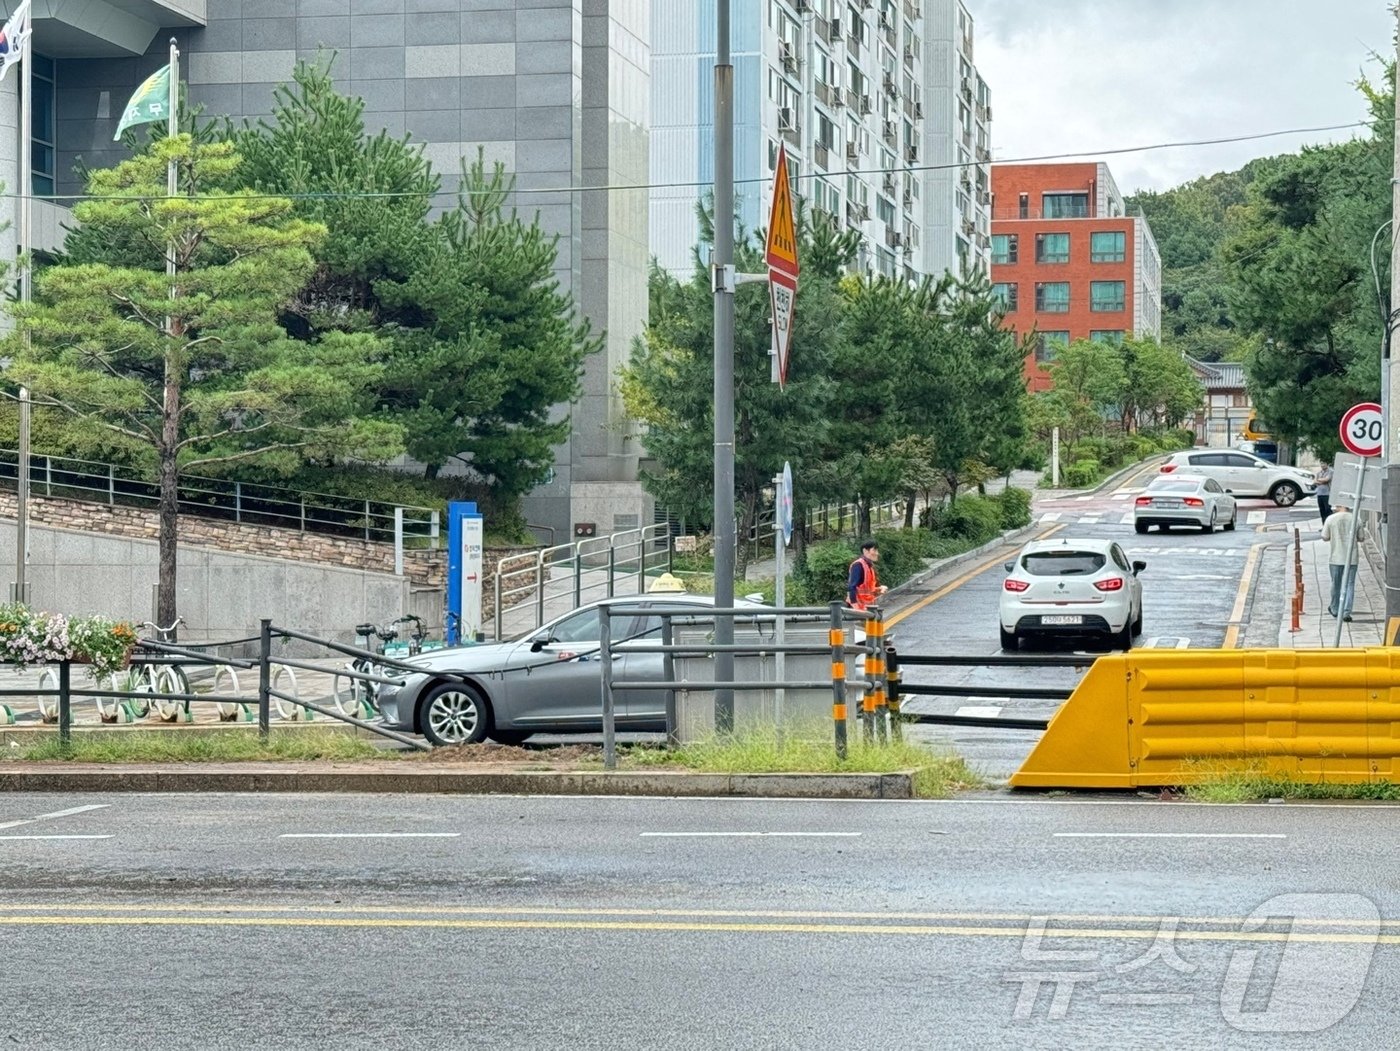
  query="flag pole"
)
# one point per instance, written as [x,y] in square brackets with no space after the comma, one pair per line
[26,295]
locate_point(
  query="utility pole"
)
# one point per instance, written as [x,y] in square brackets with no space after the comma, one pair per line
[1390,377]
[723,281]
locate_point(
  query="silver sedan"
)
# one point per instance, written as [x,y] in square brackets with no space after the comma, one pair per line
[1185,500]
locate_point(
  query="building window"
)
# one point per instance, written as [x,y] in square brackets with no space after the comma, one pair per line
[1052,297]
[884,209]
[1107,335]
[42,174]
[1064,206]
[1004,248]
[1005,293]
[1048,344]
[1025,207]
[1106,296]
[1108,246]
[1052,248]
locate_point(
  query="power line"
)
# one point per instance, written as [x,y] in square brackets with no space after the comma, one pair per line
[333,195]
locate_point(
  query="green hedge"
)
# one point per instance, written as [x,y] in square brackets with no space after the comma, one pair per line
[1082,473]
[1015,507]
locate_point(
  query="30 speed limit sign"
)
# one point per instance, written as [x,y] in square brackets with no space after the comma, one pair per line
[1362,428]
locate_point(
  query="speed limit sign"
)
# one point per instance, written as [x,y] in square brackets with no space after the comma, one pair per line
[1362,428]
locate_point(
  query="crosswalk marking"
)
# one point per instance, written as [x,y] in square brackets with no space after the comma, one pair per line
[1191,552]
[1050,516]
[1121,495]
[981,711]
[1083,498]
[1255,518]
[1167,642]
[1127,519]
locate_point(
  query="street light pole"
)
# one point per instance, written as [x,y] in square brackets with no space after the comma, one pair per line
[723,282]
[1391,399]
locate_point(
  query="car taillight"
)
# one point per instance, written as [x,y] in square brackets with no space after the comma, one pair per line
[1111,584]
[1144,501]
[1167,468]
[1194,501]
[1012,584]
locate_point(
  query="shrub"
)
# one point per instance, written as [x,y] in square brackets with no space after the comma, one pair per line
[1082,473]
[1107,451]
[823,574]
[901,554]
[1015,507]
[973,518]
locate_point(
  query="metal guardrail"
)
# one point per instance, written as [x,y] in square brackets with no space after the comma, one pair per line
[578,572]
[243,502]
[899,688]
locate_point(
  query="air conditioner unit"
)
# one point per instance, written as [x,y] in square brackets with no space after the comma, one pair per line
[911,154]
[888,183]
[967,87]
[984,198]
[889,129]
[867,5]
[787,120]
[852,152]
[801,6]
[885,22]
[918,110]
[894,239]
[789,56]
[891,88]
[908,200]
[866,106]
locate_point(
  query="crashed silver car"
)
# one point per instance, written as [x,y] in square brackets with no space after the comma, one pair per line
[549,681]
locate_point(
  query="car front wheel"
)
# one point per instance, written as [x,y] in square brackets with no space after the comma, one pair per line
[1286,494]
[453,713]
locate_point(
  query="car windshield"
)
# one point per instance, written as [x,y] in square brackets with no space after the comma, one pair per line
[1166,485]
[1062,563]
[581,627]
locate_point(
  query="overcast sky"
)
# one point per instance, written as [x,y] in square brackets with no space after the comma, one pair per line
[1072,75]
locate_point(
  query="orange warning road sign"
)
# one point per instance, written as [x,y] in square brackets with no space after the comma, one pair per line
[781,250]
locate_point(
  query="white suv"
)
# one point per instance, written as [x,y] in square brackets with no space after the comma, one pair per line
[1245,475]
[1071,587]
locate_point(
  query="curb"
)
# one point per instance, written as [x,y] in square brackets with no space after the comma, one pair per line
[313,777]
[1113,479]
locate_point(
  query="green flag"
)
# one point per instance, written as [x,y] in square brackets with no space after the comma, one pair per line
[150,103]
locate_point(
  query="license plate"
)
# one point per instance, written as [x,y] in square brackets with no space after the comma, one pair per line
[1062,619]
[1168,503]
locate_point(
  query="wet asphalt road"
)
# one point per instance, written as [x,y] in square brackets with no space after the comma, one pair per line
[1199,591]
[227,921]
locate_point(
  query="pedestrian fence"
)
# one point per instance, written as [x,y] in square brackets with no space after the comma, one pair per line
[242,502]
[164,681]
[856,642]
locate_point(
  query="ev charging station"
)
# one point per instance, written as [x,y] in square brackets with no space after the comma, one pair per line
[466,535]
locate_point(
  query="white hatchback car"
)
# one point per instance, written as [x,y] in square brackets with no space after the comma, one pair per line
[1187,500]
[1068,587]
[1244,474]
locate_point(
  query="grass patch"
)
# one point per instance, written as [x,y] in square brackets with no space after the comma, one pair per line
[194,746]
[936,774]
[1253,784]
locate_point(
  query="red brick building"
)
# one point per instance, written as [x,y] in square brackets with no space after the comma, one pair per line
[1067,262]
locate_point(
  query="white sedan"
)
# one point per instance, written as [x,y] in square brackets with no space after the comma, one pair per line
[1069,587]
[1186,500]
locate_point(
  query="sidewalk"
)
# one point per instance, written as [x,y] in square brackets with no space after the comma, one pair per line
[1316,627]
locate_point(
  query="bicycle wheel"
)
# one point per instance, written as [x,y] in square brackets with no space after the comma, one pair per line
[170,679]
[141,681]
[224,683]
[110,709]
[284,680]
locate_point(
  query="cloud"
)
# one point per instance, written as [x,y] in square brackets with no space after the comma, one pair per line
[1091,75]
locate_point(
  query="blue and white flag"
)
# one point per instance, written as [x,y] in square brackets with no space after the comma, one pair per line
[12,38]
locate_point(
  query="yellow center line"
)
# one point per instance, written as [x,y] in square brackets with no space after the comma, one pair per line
[897,930]
[957,582]
[1232,630]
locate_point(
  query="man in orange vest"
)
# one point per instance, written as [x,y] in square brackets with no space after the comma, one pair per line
[863,586]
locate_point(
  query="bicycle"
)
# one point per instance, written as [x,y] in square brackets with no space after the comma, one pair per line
[354,696]
[152,679]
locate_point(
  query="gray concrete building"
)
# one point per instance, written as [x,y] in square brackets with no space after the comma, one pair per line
[556,89]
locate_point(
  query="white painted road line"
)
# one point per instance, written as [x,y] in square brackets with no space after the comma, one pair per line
[1081,499]
[986,711]
[1121,495]
[6,839]
[1050,516]
[1170,835]
[749,835]
[369,835]
[57,814]
[1255,517]
[1127,519]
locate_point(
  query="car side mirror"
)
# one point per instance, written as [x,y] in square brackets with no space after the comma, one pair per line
[1138,567]
[1229,490]
[539,644]
[1008,566]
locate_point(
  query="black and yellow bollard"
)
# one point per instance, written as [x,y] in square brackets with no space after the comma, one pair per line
[837,638]
[892,677]
[876,709]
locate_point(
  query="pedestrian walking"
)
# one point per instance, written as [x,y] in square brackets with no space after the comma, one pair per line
[1324,491]
[1342,559]
[863,585]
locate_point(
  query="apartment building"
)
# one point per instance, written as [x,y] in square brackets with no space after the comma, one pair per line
[1068,262]
[865,101]
[558,90]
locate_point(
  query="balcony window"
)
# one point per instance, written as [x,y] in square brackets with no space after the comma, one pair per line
[1052,248]
[1005,293]
[1064,206]
[1048,344]
[1004,248]
[1052,297]
[42,168]
[1108,246]
[1102,335]
[1106,296]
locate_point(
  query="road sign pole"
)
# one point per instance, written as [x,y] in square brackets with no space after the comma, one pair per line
[779,600]
[724,525]
[1351,550]
[1391,378]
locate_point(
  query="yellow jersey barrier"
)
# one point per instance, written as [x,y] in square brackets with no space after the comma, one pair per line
[1176,717]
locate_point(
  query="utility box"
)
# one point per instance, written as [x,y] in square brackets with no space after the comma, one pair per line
[800,712]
